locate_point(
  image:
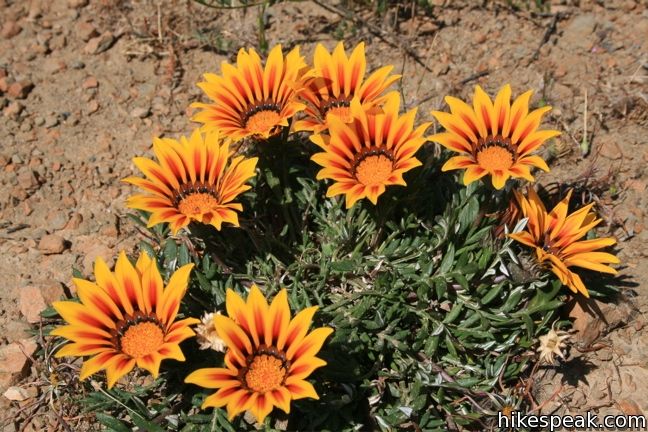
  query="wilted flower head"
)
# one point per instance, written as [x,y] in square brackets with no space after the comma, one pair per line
[552,344]
[206,334]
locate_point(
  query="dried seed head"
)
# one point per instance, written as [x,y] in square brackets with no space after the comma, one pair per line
[552,344]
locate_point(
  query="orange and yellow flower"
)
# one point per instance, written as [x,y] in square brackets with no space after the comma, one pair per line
[493,138]
[555,238]
[250,100]
[335,80]
[371,152]
[191,182]
[125,318]
[269,356]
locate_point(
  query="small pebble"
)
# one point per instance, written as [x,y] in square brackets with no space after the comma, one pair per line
[141,112]
[51,121]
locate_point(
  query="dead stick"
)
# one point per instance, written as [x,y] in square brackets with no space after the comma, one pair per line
[373,29]
[547,34]
[474,77]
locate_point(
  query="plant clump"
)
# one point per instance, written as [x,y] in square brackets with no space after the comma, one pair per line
[411,302]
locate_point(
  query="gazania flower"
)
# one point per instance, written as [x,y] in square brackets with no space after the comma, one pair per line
[555,237]
[249,100]
[191,182]
[335,80]
[125,318]
[370,153]
[269,356]
[494,139]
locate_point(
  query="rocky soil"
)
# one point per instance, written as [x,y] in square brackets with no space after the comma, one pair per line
[85,85]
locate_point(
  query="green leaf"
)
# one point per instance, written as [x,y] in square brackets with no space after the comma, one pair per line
[452,351]
[111,423]
[170,251]
[146,425]
[76,273]
[528,322]
[454,313]
[343,266]
[448,260]
[49,312]
[147,248]
[468,214]
[183,255]
[492,294]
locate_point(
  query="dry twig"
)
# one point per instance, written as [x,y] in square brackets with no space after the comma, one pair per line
[392,41]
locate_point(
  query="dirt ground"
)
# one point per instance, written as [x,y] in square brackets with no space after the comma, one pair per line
[84,85]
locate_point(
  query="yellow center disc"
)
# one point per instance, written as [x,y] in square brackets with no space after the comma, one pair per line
[495,158]
[142,339]
[374,170]
[265,373]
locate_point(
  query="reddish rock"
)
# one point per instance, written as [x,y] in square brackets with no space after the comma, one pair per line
[34,162]
[15,360]
[27,209]
[74,222]
[4,84]
[76,4]
[86,31]
[10,29]
[19,193]
[111,229]
[14,393]
[92,253]
[480,38]
[27,179]
[90,83]
[100,43]
[610,149]
[35,11]
[636,184]
[51,244]
[35,299]
[32,303]
[140,112]
[20,89]
[16,330]
[93,107]
[57,42]
[54,65]
[629,407]
[13,109]
[3,73]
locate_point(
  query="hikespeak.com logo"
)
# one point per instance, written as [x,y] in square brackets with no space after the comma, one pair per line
[588,422]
